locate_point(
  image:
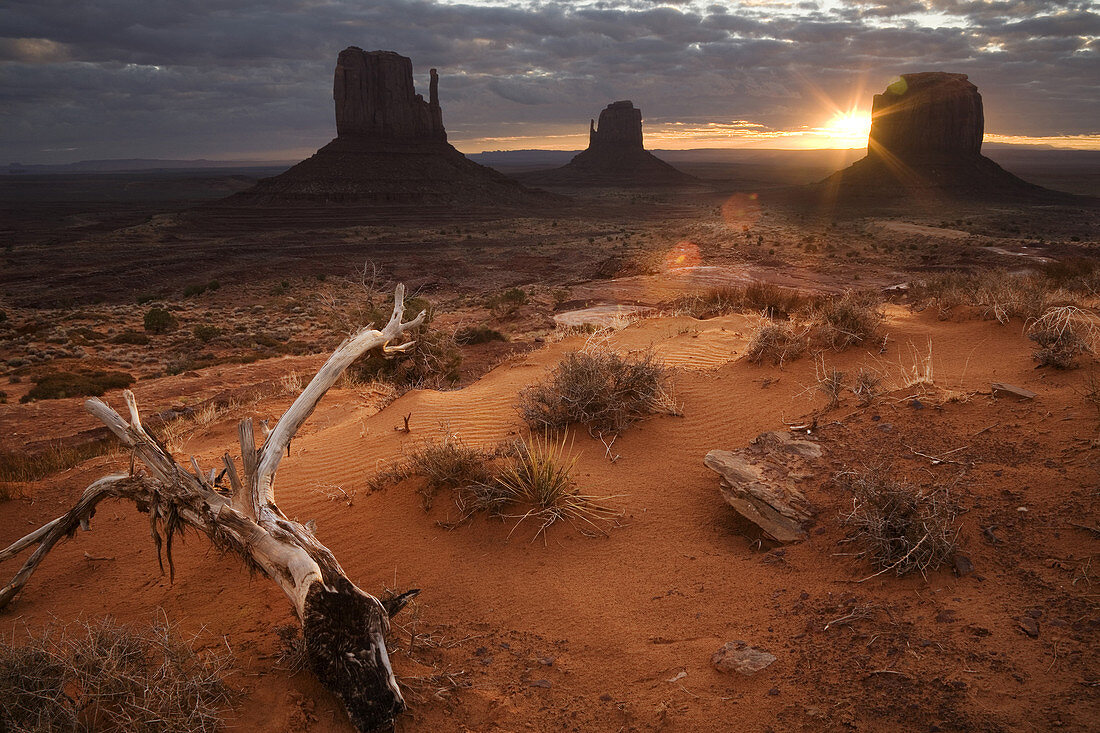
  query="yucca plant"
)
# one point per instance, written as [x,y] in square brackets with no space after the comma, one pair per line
[538,475]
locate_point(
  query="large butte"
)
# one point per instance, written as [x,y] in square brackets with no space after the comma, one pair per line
[926,140]
[390,148]
[615,156]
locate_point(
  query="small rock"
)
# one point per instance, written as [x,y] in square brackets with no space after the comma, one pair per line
[605,697]
[773,692]
[917,405]
[1029,626]
[546,661]
[541,683]
[738,656]
[963,566]
[1001,389]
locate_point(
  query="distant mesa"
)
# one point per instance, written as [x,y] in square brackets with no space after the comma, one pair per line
[615,156]
[926,137]
[390,148]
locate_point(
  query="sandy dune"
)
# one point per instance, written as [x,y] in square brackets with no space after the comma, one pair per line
[595,633]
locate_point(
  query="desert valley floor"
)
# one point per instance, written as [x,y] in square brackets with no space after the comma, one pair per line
[566,631]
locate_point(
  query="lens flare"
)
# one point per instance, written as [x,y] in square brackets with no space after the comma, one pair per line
[741,211]
[684,254]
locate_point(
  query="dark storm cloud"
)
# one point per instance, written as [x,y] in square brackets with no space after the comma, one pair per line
[122,78]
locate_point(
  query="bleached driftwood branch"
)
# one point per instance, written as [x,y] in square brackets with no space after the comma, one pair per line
[344,627]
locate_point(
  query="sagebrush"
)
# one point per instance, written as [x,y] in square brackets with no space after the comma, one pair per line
[104,676]
[600,388]
[898,526]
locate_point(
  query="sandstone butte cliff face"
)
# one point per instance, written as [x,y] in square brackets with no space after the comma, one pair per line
[930,114]
[615,156]
[620,128]
[390,148]
[375,98]
[926,140]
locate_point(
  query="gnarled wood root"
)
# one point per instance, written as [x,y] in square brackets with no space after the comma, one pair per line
[344,627]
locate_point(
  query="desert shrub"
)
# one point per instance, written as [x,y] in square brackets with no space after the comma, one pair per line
[205,332]
[1063,334]
[897,526]
[537,479]
[478,335]
[997,294]
[848,320]
[3,397]
[158,320]
[1078,274]
[3,316]
[109,677]
[776,342]
[830,382]
[58,385]
[433,359]
[449,464]
[144,298]
[599,388]
[213,285]
[506,302]
[130,337]
[194,289]
[1059,350]
[867,386]
[773,300]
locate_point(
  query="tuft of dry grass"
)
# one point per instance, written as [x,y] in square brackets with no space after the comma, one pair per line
[1062,334]
[102,675]
[537,475]
[599,388]
[899,527]
[776,342]
[848,320]
[21,466]
[449,464]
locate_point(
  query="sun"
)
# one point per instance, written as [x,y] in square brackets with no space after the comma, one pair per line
[848,129]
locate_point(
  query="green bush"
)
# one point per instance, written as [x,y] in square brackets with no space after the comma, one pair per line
[58,385]
[131,337]
[146,298]
[213,285]
[158,320]
[506,302]
[196,289]
[478,335]
[205,332]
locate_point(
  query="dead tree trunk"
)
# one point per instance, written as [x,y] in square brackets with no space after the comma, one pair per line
[344,627]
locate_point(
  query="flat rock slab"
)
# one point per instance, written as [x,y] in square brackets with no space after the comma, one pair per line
[738,656]
[759,482]
[1000,389]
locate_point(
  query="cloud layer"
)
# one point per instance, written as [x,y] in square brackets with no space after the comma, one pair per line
[191,78]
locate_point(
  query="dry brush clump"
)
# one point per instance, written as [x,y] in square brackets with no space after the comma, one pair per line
[103,676]
[758,297]
[898,526]
[528,479]
[599,388]
[536,478]
[1063,334]
[997,294]
[848,320]
[777,342]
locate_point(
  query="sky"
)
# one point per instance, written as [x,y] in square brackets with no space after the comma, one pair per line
[252,79]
